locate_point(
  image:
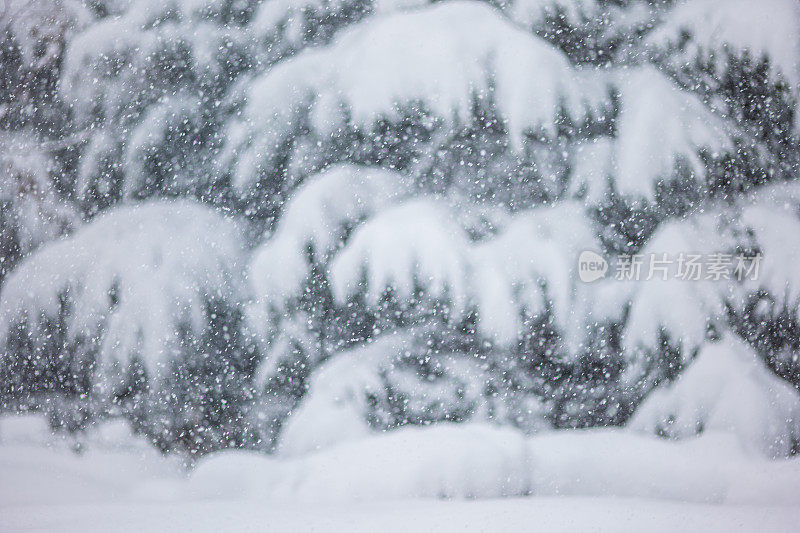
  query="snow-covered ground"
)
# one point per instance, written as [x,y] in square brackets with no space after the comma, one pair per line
[475,478]
[531,514]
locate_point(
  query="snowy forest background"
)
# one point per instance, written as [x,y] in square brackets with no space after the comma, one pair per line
[285,224]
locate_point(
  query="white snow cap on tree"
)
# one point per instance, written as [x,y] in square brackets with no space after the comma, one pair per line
[660,129]
[660,125]
[335,407]
[169,113]
[767,28]
[413,245]
[530,265]
[36,210]
[342,392]
[146,53]
[726,388]
[419,243]
[767,223]
[443,56]
[776,232]
[681,308]
[95,49]
[592,166]
[132,277]
[318,216]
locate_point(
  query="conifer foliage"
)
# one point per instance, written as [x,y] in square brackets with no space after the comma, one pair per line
[284,223]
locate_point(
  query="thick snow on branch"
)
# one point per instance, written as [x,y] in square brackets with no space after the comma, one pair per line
[443,56]
[661,132]
[727,388]
[168,115]
[708,270]
[531,265]
[317,217]
[359,224]
[768,28]
[592,168]
[31,204]
[132,278]
[335,407]
[776,232]
[681,308]
[172,55]
[347,394]
[412,245]
[128,45]
[659,126]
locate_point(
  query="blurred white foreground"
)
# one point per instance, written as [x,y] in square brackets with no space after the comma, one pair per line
[449,477]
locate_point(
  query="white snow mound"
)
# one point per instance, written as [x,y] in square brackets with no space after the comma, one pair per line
[727,388]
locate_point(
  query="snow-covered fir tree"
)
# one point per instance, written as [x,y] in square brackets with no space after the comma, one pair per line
[137,314]
[393,196]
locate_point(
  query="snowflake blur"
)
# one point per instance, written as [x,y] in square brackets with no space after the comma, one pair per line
[316,230]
